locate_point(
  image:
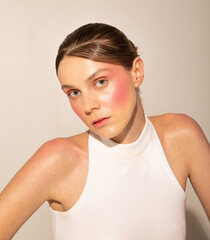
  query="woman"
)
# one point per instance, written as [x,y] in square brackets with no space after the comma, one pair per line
[124,178]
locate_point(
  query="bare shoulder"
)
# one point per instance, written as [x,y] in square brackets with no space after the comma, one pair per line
[65,147]
[53,159]
[182,133]
[178,127]
[57,158]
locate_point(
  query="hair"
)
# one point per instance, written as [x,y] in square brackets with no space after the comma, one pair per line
[98,42]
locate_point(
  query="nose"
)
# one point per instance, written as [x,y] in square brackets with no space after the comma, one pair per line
[90,103]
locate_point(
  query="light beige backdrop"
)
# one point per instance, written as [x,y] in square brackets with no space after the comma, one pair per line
[173,38]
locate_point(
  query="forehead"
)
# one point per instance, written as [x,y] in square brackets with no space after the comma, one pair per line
[76,68]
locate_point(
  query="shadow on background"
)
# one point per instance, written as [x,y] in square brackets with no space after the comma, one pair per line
[195,231]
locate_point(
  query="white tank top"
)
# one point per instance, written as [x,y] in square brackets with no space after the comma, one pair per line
[131,193]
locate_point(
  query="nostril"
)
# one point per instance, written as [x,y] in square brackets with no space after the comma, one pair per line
[90,105]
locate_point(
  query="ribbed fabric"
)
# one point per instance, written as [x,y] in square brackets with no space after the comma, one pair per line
[131,193]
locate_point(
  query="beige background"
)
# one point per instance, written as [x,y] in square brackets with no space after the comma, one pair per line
[173,38]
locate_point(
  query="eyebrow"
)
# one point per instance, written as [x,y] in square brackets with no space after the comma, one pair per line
[92,76]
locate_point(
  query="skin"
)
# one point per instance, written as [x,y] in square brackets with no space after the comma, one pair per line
[116,97]
[57,172]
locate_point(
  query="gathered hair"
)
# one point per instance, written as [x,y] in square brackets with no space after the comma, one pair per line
[98,42]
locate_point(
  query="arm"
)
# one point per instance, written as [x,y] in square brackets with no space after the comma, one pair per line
[27,191]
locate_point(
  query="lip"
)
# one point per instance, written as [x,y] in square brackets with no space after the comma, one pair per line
[100,122]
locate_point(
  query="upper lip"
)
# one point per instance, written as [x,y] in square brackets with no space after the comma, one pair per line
[99,119]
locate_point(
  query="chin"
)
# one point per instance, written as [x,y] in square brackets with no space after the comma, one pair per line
[107,132]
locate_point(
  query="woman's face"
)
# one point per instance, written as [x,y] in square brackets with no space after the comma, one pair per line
[103,95]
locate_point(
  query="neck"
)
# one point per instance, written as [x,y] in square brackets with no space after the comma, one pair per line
[135,126]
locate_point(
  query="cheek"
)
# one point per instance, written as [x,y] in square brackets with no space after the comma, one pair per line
[77,110]
[120,94]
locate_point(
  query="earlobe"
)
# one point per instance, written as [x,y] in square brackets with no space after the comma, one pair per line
[138,71]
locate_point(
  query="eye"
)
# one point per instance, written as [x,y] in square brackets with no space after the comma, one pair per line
[101,83]
[73,93]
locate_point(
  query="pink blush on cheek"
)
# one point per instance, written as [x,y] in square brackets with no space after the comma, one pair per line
[120,93]
[77,111]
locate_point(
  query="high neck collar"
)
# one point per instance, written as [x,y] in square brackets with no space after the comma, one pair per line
[129,150]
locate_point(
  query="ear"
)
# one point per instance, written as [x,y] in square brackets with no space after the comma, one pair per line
[138,71]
